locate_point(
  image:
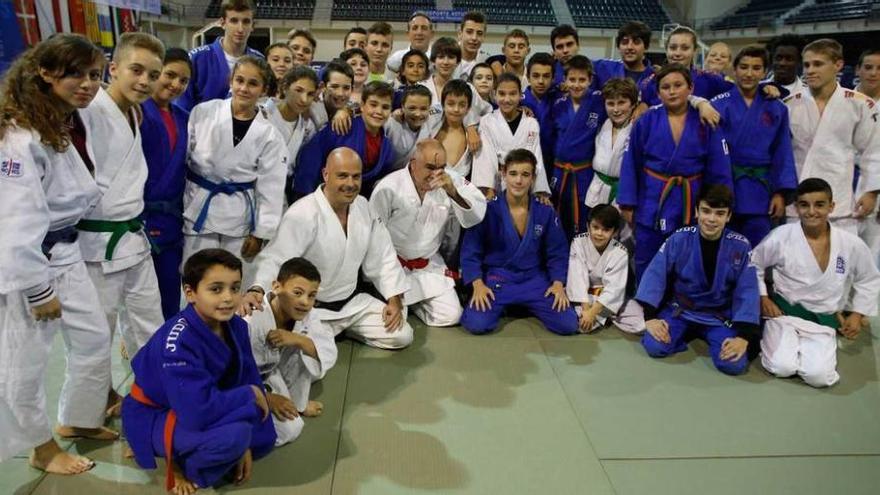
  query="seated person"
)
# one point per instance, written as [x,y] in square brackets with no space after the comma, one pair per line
[598,275]
[518,255]
[674,286]
[291,347]
[824,280]
[197,399]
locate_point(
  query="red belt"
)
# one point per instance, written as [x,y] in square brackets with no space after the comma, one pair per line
[420,263]
[137,393]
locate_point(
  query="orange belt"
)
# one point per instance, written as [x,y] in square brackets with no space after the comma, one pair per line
[569,168]
[670,182]
[137,393]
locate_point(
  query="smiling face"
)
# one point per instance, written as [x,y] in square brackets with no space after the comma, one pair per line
[375,111]
[415,110]
[540,79]
[748,73]
[712,220]
[172,83]
[718,59]
[420,33]
[484,80]
[356,40]
[814,208]
[337,91]
[300,95]
[135,75]
[508,97]
[303,51]
[296,296]
[217,295]
[342,177]
[518,177]
[237,27]
[820,71]
[78,87]
[445,65]
[577,81]
[280,59]
[619,110]
[680,49]
[360,67]
[470,37]
[247,85]
[869,74]
[414,69]
[600,235]
[631,49]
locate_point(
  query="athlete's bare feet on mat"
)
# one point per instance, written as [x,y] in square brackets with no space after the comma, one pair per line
[102,433]
[182,486]
[313,409]
[114,404]
[50,458]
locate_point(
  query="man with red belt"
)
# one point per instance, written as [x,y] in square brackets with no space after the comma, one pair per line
[417,204]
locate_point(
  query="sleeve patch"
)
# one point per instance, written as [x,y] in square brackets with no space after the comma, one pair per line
[10,168]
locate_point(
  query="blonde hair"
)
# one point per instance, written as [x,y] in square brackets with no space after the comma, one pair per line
[826,46]
[129,41]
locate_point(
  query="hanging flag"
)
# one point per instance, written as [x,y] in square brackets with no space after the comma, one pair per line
[11,40]
[91,17]
[77,16]
[27,21]
[105,25]
[125,22]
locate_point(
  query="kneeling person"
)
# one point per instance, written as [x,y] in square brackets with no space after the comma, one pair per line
[197,399]
[701,281]
[291,347]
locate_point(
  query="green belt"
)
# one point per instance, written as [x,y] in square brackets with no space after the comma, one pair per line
[612,182]
[826,319]
[757,173]
[117,229]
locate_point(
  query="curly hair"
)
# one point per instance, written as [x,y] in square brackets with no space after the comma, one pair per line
[27,100]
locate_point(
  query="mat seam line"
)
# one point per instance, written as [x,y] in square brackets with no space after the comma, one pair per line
[342,418]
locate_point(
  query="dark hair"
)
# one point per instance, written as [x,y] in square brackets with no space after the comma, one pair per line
[379,89]
[298,267]
[445,46]
[756,51]
[294,75]
[516,33]
[634,30]
[199,263]
[520,155]
[541,58]
[509,77]
[419,13]
[481,65]
[354,30]
[674,68]
[867,53]
[273,46]
[176,54]
[406,56]
[415,90]
[381,28]
[236,6]
[263,66]
[296,33]
[457,87]
[579,62]
[336,66]
[716,196]
[683,30]
[814,184]
[473,16]
[606,216]
[353,52]
[788,39]
[621,87]
[561,32]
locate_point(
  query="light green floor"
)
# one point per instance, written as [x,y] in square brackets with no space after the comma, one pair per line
[525,412]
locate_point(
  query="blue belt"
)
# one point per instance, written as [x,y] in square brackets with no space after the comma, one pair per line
[67,235]
[214,189]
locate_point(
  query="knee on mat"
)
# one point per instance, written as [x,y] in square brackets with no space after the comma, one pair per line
[396,340]
[567,325]
[654,347]
[477,324]
[231,440]
[449,318]
[815,376]
[778,368]
[732,368]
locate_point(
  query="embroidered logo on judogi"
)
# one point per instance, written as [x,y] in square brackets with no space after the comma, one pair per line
[841,265]
[767,119]
[531,138]
[10,168]
[593,120]
[539,229]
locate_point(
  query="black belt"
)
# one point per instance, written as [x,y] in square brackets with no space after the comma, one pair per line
[336,306]
[66,235]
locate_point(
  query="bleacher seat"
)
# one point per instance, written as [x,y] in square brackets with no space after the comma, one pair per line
[610,14]
[378,10]
[833,10]
[273,9]
[756,13]
[518,12]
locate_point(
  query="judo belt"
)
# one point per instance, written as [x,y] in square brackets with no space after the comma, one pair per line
[67,234]
[568,169]
[336,306]
[215,188]
[757,173]
[137,393]
[684,303]
[420,263]
[612,182]
[117,229]
[826,319]
[670,182]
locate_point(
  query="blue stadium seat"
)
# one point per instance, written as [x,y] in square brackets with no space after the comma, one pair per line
[610,14]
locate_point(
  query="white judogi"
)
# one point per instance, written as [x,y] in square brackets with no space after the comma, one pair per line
[289,372]
[869,227]
[825,146]
[463,71]
[311,229]
[607,160]
[404,140]
[126,282]
[498,141]
[42,191]
[479,106]
[417,227]
[295,134]
[851,282]
[602,277]
[260,157]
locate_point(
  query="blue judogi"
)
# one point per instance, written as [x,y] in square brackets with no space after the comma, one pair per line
[313,155]
[706,85]
[517,269]
[676,285]
[605,70]
[760,151]
[540,107]
[186,368]
[574,144]
[210,74]
[163,198]
[662,180]
[558,76]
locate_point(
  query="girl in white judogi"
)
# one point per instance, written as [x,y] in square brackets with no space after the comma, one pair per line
[237,168]
[598,272]
[820,273]
[291,347]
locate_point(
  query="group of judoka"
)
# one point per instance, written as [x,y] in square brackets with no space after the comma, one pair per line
[281,207]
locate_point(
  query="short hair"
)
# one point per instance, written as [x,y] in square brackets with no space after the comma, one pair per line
[473,16]
[336,66]
[683,30]
[413,52]
[826,46]
[354,52]
[516,33]
[755,51]
[273,46]
[481,65]
[176,54]
[415,90]
[579,62]
[263,66]
[520,155]
[146,41]
[354,30]
[561,32]
[788,39]
[457,87]
[305,33]
[606,215]
[814,184]
[201,261]
[634,30]
[541,58]
[379,89]
[509,77]
[867,53]
[298,267]
[236,6]
[445,46]
[621,87]
[419,13]
[716,196]
[295,74]
[381,28]
[674,68]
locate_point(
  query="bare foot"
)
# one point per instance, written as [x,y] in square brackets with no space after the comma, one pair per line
[182,486]
[313,409]
[114,404]
[128,453]
[50,458]
[102,433]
